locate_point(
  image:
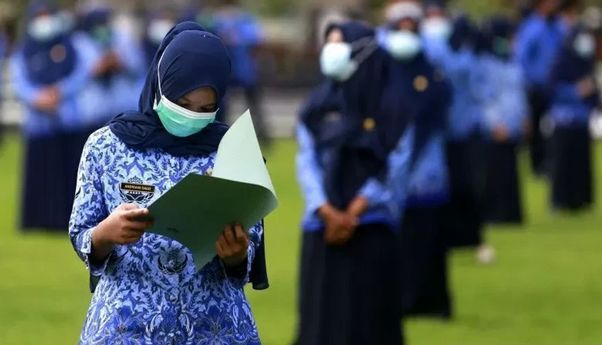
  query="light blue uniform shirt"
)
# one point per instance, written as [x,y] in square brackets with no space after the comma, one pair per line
[98,103]
[428,179]
[67,118]
[383,206]
[537,44]
[151,292]
[241,34]
[502,92]
[459,67]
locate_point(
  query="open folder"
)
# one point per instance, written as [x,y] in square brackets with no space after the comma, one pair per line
[196,210]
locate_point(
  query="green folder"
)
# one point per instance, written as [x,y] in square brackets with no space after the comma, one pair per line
[196,210]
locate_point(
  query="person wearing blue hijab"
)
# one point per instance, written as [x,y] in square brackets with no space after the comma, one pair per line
[574,96]
[243,36]
[115,67]
[417,89]
[47,72]
[348,280]
[502,92]
[157,24]
[149,290]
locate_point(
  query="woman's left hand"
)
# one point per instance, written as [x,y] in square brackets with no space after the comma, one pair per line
[232,245]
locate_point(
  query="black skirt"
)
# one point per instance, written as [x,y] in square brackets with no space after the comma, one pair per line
[50,178]
[350,294]
[502,188]
[423,254]
[464,213]
[571,168]
[538,104]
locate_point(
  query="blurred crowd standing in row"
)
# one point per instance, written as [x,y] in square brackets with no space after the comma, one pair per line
[409,146]
[74,71]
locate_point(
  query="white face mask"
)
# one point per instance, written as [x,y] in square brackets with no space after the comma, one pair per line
[585,45]
[158,29]
[46,27]
[436,28]
[403,45]
[336,61]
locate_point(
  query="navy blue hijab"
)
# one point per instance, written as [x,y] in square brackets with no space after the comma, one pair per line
[47,62]
[498,32]
[417,94]
[356,139]
[192,58]
[571,67]
[464,33]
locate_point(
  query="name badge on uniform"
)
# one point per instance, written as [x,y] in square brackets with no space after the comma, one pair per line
[134,191]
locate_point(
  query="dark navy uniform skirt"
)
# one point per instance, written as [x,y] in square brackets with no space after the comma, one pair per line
[571,168]
[50,174]
[503,202]
[464,213]
[423,254]
[350,294]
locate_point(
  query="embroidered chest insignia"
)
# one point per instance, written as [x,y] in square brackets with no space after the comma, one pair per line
[134,191]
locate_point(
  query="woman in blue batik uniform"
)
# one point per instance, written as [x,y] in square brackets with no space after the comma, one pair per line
[149,290]
[574,96]
[348,292]
[47,73]
[416,90]
[501,90]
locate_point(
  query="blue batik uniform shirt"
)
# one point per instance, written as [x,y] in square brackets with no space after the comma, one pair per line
[151,292]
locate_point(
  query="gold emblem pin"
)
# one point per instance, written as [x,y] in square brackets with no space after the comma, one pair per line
[421,83]
[369,124]
[58,53]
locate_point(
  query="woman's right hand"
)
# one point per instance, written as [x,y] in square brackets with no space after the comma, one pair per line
[125,225]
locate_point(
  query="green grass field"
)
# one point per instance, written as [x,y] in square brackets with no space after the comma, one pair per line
[545,288]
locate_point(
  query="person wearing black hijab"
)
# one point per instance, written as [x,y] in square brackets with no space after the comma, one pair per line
[417,90]
[574,96]
[47,73]
[348,279]
[147,287]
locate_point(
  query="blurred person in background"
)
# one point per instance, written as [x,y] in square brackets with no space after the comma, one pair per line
[450,46]
[537,43]
[348,276]
[157,24]
[115,66]
[47,73]
[574,96]
[416,90]
[3,53]
[500,86]
[242,35]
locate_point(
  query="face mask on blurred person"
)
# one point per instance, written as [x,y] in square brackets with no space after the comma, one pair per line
[436,28]
[158,28]
[336,58]
[46,27]
[177,120]
[403,44]
[585,45]
[103,34]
